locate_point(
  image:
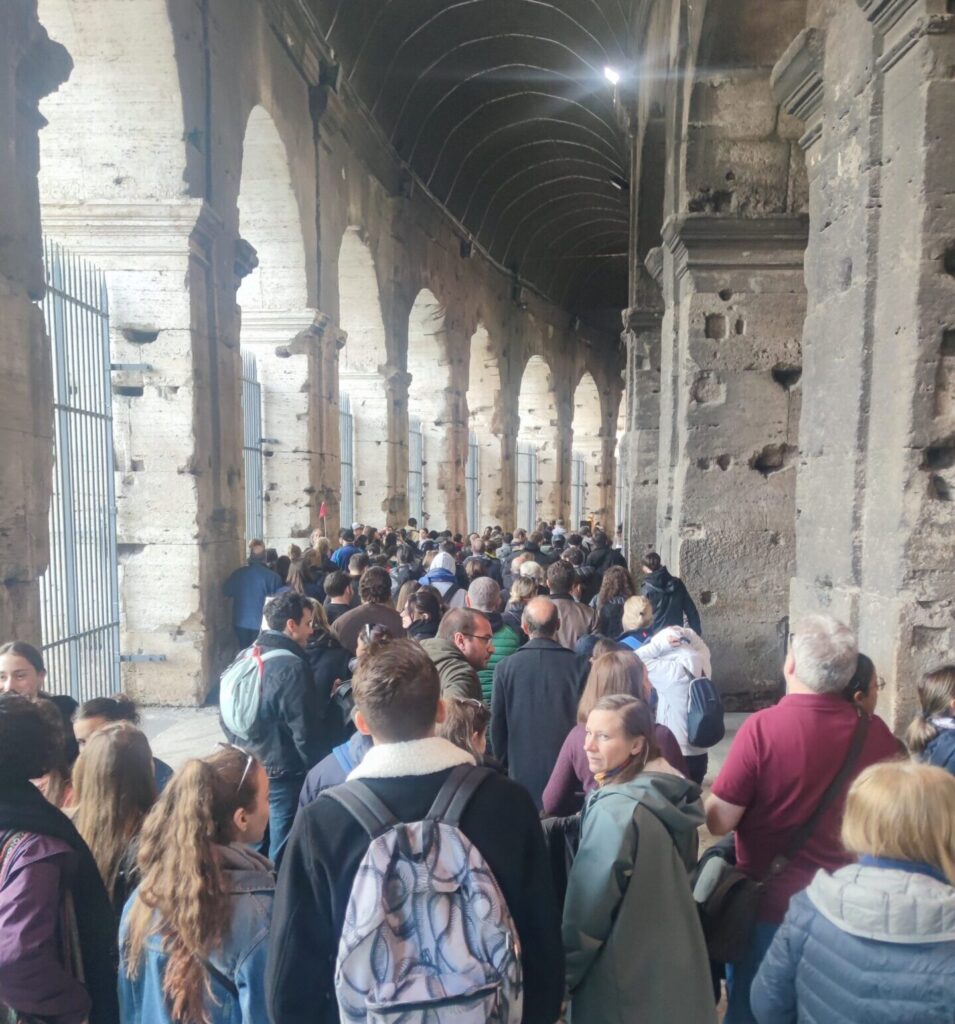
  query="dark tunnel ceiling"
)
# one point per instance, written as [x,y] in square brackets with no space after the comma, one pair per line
[502,109]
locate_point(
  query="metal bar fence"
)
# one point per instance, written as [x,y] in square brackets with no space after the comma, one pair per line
[415,470]
[252,449]
[471,481]
[346,430]
[526,485]
[79,592]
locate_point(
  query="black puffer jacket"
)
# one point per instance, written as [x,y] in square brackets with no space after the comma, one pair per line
[329,662]
[670,600]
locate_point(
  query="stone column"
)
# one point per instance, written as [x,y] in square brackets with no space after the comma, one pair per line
[555,461]
[395,410]
[323,420]
[31,67]
[639,446]
[286,346]
[177,429]
[504,507]
[454,461]
[735,304]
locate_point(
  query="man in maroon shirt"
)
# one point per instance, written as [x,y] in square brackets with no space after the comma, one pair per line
[779,766]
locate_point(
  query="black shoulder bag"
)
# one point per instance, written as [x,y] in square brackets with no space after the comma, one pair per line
[728,900]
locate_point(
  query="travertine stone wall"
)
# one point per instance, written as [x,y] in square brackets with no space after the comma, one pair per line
[31,66]
[872,83]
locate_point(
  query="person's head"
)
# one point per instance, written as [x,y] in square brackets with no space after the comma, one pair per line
[358,563]
[471,633]
[936,700]
[424,605]
[522,590]
[619,738]
[21,669]
[604,645]
[572,556]
[474,570]
[257,551]
[99,712]
[484,595]
[207,804]
[560,577]
[324,547]
[405,591]
[651,562]
[477,545]
[822,656]
[295,578]
[616,583]
[903,810]
[397,693]
[540,620]
[114,786]
[862,689]
[600,539]
[412,523]
[338,587]
[613,672]
[533,570]
[375,586]
[442,561]
[404,554]
[320,624]
[346,536]
[291,614]
[637,613]
[29,742]
[371,634]
[520,536]
[465,724]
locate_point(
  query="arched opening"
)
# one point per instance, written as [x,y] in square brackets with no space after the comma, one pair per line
[429,467]
[538,476]
[273,297]
[361,378]
[587,454]
[484,389]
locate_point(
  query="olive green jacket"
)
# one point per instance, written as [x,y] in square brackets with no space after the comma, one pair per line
[458,678]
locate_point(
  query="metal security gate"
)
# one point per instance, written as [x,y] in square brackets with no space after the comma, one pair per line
[578,494]
[346,433]
[252,449]
[472,488]
[526,485]
[79,592]
[415,470]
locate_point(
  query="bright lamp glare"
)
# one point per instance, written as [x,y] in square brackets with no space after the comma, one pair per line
[612,75]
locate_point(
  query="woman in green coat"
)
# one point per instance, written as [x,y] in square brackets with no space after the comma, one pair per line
[635,949]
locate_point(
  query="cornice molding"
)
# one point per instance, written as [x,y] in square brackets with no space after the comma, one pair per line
[935,25]
[797,81]
[884,14]
[710,242]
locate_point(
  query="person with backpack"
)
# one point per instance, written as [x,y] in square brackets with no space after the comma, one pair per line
[672,604]
[193,935]
[337,897]
[632,934]
[442,575]
[268,706]
[674,659]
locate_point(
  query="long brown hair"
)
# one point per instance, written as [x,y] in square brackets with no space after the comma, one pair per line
[616,672]
[617,582]
[936,693]
[115,786]
[182,894]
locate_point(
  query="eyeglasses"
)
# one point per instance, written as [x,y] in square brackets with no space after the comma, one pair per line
[475,636]
[250,760]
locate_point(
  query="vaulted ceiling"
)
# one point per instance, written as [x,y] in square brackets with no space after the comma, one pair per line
[502,109]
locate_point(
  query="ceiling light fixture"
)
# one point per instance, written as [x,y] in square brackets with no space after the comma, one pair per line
[612,75]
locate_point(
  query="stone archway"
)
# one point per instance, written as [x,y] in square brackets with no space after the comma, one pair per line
[537,408]
[361,374]
[428,393]
[273,297]
[484,422]
[587,450]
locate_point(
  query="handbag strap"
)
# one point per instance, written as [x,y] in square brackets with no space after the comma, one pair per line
[805,831]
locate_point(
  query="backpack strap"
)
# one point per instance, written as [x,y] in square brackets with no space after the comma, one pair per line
[362,804]
[456,793]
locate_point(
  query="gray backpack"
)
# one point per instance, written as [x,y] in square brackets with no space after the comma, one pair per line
[240,689]
[428,937]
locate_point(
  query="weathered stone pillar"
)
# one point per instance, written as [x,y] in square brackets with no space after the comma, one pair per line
[324,422]
[454,459]
[875,539]
[395,411]
[504,505]
[735,304]
[555,461]
[639,446]
[177,428]
[31,66]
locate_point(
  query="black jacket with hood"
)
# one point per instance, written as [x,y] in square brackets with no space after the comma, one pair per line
[671,601]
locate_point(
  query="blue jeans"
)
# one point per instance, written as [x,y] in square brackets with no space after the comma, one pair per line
[740,975]
[284,792]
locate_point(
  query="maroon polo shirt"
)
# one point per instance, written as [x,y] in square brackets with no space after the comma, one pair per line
[778,768]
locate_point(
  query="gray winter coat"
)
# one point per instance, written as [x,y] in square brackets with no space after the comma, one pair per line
[870,944]
[632,935]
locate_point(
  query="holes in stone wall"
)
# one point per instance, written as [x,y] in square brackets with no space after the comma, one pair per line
[706,598]
[715,326]
[937,459]
[139,336]
[708,389]
[948,342]
[771,459]
[128,391]
[786,375]
[724,461]
[948,259]
[740,326]
[726,294]
[941,456]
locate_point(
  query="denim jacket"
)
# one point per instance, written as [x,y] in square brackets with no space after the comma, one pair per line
[240,958]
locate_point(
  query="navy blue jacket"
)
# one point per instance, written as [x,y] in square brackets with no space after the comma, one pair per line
[249,587]
[941,750]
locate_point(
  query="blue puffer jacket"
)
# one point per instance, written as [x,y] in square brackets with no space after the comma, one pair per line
[867,944]
[941,750]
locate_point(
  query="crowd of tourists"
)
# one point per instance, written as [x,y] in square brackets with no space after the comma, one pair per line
[462,780]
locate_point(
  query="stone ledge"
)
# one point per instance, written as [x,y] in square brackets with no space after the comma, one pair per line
[707,242]
[797,81]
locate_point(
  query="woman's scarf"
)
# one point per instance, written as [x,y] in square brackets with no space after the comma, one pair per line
[24,809]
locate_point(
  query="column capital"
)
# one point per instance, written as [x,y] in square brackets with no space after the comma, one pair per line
[884,14]
[328,331]
[641,318]
[797,81]
[654,264]
[246,259]
[701,242]
[395,378]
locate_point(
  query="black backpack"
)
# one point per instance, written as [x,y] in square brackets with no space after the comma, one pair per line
[704,714]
